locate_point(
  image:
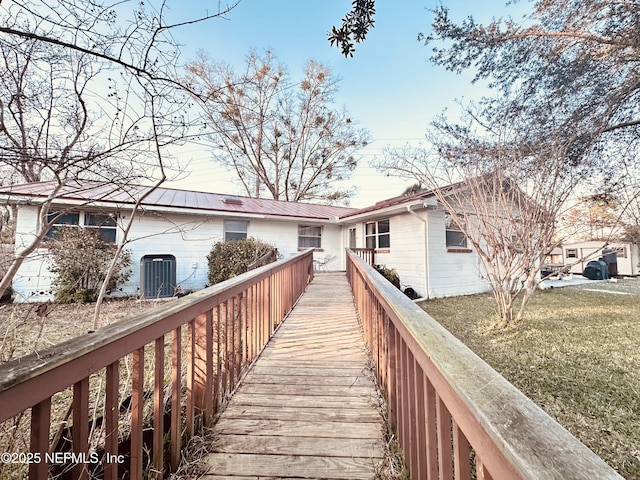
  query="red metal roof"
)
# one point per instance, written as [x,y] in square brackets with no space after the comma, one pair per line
[391,202]
[403,200]
[172,198]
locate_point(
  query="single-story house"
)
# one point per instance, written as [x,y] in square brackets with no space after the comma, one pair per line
[172,234]
[174,231]
[578,254]
[415,236]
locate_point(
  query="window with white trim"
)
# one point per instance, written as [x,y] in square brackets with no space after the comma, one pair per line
[104,223]
[309,236]
[377,234]
[572,253]
[455,237]
[235,229]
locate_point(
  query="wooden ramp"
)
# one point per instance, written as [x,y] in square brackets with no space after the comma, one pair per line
[309,407]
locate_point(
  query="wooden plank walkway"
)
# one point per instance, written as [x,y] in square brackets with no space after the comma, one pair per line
[309,407]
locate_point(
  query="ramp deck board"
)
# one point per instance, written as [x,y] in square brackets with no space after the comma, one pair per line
[309,407]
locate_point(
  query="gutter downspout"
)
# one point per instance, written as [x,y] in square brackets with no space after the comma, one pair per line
[427,260]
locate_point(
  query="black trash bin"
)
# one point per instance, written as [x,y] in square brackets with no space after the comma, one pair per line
[596,270]
[610,257]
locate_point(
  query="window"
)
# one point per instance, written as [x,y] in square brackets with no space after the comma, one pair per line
[377,234]
[309,236]
[235,230]
[352,238]
[64,220]
[572,253]
[455,237]
[621,252]
[105,224]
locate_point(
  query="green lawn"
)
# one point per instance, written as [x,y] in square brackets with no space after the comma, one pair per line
[576,354]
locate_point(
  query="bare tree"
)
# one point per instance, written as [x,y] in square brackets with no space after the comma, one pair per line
[501,199]
[281,137]
[89,90]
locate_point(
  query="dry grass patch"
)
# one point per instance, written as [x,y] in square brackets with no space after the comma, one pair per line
[23,331]
[576,355]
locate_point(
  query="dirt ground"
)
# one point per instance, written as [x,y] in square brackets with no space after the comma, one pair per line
[23,331]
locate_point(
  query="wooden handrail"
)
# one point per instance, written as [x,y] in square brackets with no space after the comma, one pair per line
[446,402]
[225,327]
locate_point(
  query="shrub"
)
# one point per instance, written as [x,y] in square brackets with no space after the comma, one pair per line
[390,274]
[229,259]
[80,259]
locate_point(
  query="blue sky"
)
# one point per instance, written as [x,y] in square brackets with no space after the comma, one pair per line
[389,86]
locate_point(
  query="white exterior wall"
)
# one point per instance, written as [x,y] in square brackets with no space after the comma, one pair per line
[284,235]
[189,238]
[407,252]
[634,259]
[33,280]
[451,272]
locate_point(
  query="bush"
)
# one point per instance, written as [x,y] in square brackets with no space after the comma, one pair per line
[229,259]
[390,274]
[80,259]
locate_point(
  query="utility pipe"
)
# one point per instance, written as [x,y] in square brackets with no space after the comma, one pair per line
[426,250]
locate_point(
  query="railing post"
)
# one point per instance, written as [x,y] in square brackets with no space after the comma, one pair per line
[461,451]
[217,351]
[444,439]
[431,432]
[111,414]
[190,400]
[203,367]
[158,409]
[80,435]
[40,424]
[392,370]
[176,388]
[137,413]
[422,470]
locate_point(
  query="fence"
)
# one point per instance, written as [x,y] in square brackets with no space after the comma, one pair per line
[211,337]
[455,415]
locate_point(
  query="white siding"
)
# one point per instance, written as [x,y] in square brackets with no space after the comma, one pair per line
[189,238]
[634,259]
[284,235]
[451,273]
[33,280]
[407,252]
